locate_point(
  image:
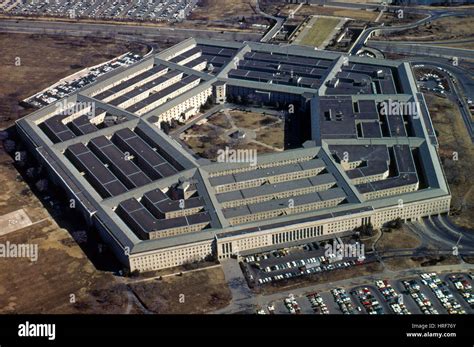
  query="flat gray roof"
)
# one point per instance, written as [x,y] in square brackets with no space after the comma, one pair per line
[345,117]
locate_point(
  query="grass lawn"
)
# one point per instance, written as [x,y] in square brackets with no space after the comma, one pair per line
[398,238]
[196,292]
[320,30]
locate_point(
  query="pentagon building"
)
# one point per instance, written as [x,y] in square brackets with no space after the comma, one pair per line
[157,205]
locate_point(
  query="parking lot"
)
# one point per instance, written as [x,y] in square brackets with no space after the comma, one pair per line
[285,264]
[462,289]
[392,298]
[406,296]
[369,300]
[135,10]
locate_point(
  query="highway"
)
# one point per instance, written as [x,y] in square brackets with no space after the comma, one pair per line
[421,49]
[365,35]
[140,32]
[406,9]
[276,27]
[431,15]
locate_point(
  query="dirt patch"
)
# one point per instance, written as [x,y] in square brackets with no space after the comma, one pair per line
[276,7]
[23,74]
[220,119]
[402,263]
[397,239]
[219,9]
[236,129]
[454,143]
[273,135]
[250,120]
[62,280]
[195,292]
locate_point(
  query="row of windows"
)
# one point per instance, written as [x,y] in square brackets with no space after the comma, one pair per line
[177,257]
[260,166]
[177,231]
[182,212]
[413,210]
[350,165]
[165,98]
[347,224]
[390,192]
[298,234]
[140,83]
[253,242]
[193,102]
[287,210]
[116,83]
[280,195]
[146,93]
[273,179]
[170,258]
[372,178]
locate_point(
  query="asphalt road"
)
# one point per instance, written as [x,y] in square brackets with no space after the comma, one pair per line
[276,27]
[407,9]
[431,15]
[139,32]
[364,36]
[421,49]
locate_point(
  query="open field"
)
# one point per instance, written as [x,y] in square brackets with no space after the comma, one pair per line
[220,9]
[308,10]
[453,138]
[317,31]
[264,133]
[397,239]
[221,120]
[62,272]
[174,270]
[251,120]
[449,28]
[272,135]
[29,64]
[198,138]
[197,292]
[62,268]
[396,264]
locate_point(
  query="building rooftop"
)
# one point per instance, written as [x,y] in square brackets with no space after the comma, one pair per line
[124,170]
